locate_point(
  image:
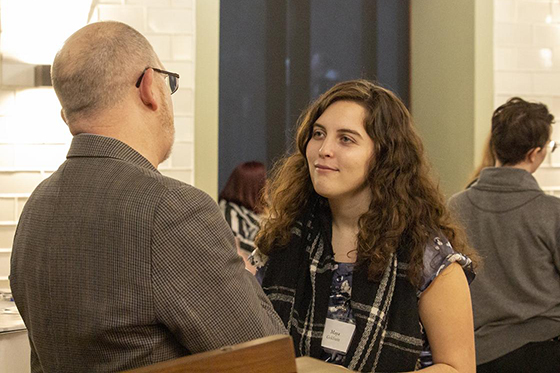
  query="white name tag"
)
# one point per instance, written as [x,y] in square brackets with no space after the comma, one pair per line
[337,335]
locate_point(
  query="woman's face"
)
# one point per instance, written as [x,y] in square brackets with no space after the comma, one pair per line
[340,151]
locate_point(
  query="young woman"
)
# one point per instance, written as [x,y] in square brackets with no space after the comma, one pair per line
[359,256]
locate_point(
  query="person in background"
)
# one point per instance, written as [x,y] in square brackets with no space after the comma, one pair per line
[487,161]
[516,228]
[359,255]
[115,266]
[241,203]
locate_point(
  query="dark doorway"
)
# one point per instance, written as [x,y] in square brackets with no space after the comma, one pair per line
[277,56]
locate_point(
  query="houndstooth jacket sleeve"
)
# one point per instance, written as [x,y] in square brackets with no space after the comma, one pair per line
[202,291]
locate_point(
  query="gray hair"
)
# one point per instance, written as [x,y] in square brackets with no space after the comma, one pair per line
[97,65]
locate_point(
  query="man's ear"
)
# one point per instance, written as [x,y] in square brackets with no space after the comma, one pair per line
[532,155]
[63,116]
[146,90]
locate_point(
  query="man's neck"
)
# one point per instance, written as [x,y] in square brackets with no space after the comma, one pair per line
[129,131]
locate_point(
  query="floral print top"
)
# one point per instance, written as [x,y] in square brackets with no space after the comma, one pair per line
[339,305]
[439,254]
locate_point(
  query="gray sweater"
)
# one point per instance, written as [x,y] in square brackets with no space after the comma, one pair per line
[516,229]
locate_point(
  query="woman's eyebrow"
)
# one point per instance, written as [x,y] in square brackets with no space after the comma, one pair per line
[342,130]
[352,132]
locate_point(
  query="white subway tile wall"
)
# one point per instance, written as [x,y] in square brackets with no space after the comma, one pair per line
[504,10]
[178,173]
[182,3]
[184,129]
[175,20]
[182,156]
[7,209]
[183,101]
[545,34]
[182,48]
[513,82]
[7,101]
[526,59]
[546,83]
[20,202]
[6,156]
[162,46]
[18,74]
[508,34]
[134,16]
[505,58]
[6,234]
[5,261]
[163,3]
[527,64]
[14,183]
[33,138]
[532,12]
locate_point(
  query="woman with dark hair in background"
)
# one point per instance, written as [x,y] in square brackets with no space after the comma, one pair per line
[359,255]
[241,204]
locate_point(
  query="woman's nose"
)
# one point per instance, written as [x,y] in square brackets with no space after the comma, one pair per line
[326,149]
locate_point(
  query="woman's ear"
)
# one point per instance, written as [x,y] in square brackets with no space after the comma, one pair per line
[147,90]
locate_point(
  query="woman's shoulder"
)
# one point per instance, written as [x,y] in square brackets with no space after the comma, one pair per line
[438,255]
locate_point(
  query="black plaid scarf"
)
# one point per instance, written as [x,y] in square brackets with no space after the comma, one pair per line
[298,283]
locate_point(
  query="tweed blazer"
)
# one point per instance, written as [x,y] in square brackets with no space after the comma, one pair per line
[115,266]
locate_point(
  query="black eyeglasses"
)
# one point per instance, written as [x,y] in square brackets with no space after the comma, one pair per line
[172,79]
[552,146]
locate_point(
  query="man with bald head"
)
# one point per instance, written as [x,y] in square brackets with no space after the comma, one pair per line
[115,266]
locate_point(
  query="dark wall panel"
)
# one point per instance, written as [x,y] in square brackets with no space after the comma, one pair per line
[393,47]
[276,56]
[242,121]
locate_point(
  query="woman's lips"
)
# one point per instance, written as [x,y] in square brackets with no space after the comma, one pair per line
[322,167]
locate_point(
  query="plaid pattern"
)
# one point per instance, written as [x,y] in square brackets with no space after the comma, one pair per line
[298,282]
[115,266]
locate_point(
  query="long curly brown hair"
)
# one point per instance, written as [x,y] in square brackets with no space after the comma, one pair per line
[407,207]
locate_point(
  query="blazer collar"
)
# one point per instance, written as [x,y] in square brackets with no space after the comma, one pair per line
[90,145]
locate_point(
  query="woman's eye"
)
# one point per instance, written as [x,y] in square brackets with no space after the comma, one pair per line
[346,139]
[317,134]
